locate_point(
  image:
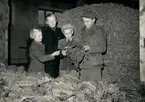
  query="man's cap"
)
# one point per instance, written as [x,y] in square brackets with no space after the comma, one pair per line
[89,14]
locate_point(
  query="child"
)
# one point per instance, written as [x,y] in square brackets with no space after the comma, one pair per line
[51,35]
[37,52]
[68,43]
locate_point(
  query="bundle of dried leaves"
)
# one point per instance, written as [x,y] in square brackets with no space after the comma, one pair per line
[76,55]
[39,87]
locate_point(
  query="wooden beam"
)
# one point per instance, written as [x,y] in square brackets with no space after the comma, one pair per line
[142,40]
[51,9]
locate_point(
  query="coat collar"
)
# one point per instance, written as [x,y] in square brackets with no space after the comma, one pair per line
[40,45]
[90,30]
[48,27]
[71,39]
[37,43]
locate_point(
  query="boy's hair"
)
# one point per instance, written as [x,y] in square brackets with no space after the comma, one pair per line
[33,31]
[49,15]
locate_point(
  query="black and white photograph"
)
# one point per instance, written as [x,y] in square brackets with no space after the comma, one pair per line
[72,50]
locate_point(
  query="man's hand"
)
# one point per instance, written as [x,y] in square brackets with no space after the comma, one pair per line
[86,48]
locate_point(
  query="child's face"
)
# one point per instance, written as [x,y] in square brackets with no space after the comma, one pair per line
[51,21]
[88,22]
[68,33]
[38,36]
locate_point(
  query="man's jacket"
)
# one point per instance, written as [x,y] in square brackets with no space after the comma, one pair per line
[95,38]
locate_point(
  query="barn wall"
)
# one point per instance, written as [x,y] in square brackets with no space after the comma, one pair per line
[4,20]
[24,17]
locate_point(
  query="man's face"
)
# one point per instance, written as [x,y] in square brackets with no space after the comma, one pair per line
[88,22]
[51,21]
[68,33]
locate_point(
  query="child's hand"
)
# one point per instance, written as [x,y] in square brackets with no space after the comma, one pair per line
[86,48]
[67,47]
[56,53]
[64,52]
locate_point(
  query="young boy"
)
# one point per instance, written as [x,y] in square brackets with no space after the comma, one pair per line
[68,43]
[37,52]
[94,41]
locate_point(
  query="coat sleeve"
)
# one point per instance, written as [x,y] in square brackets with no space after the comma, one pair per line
[39,55]
[98,43]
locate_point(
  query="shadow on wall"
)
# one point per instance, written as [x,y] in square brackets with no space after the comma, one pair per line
[24,16]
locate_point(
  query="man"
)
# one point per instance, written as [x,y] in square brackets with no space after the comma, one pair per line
[94,43]
[51,35]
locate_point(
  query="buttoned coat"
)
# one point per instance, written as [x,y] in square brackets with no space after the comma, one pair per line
[65,63]
[51,36]
[95,38]
[38,57]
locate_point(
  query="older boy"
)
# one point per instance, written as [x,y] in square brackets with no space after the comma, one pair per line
[51,35]
[94,42]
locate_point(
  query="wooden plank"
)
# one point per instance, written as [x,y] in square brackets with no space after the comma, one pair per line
[142,40]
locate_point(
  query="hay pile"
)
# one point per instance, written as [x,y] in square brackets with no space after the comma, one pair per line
[122,28]
[18,86]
